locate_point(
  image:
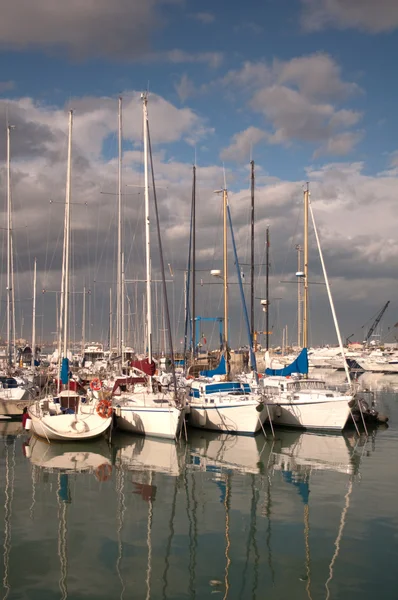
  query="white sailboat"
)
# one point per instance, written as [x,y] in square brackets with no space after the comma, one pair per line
[144,406]
[306,403]
[215,402]
[14,395]
[69,416]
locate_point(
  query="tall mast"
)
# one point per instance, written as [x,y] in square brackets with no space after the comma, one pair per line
[267,290]
[299,321]
[147,231]
[9,248]
[193,258]
[225,203]
[34,317]
[110,321]
[67,237]
[119,293]
[252,254]
[305,307]
[84,321]
[122,318]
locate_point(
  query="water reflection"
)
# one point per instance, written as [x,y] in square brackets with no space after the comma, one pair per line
[238,517]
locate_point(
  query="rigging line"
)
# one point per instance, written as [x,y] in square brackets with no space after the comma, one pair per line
[307,550]
[169,540]
[149,543]
[9,495]
[62,544]
[121,511]
[338,539]
[227,505]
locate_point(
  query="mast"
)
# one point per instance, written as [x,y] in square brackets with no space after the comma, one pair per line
[67,236]
[119,293]
[34,317]
[193,259]
[122,318]
[110,321]
[267,290]
[252,254]
[299,322]
[225,203]
[9,249]
[144,98]
[84,321]
[305,306]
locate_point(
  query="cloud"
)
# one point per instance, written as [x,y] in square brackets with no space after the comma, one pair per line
[316,76]
[6,86]
[242,144]
[204,17]
[213,59]
[83,28]
[340,144]
[185,88]
[367,15]
[394,159]
[300,100]
[347,203]
[294,117]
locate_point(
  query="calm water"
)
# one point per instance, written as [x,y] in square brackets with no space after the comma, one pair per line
[305,516]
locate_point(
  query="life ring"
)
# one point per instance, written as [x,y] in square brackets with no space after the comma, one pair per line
[190,377]
[95,384]
[103,472]
[104,409]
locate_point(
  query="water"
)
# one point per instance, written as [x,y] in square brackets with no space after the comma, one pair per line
[306,516]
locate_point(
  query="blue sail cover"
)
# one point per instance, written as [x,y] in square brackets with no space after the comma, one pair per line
[221,369]
[300,365]
[65,371]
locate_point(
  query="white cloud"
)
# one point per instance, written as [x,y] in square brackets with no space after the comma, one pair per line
[340,144]
[6,86]
[185,88]
[84,28]
[204,17]
[213,59]
[316,76]
[373,16]
[300,100]
[242,144]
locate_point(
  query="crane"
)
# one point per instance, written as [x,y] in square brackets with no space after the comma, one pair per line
[376,322]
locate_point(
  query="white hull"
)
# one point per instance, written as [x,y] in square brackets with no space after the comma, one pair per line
[143,415]
[239,417]
[13,401]
[65,427]
[320,414]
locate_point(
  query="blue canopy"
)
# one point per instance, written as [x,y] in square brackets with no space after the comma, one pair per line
[65,371]
[300,365]
[221,369]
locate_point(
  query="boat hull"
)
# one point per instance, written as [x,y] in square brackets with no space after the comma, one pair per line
[13,401]
[315,415]
[156,421]
[67,427]
[240,417]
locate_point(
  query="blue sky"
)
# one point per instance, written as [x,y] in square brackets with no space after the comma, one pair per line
[305,87]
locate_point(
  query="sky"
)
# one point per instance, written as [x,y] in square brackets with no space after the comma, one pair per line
[305,88]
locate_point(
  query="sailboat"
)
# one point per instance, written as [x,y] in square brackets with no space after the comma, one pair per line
[68,416]
[304,402]
[14,392]
[141,404]
[215,401]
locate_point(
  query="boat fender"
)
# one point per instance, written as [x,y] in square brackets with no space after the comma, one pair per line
[118,411]
[28,424]
[278,410]
[260,407]
[382,418]
[27,451]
